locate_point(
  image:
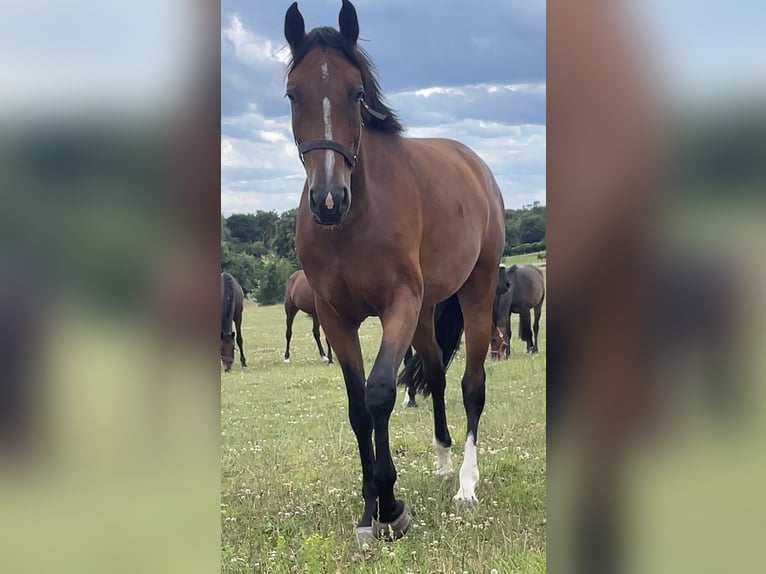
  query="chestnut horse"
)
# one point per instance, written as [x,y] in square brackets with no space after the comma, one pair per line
[390,227]
[300,297]
[232,302]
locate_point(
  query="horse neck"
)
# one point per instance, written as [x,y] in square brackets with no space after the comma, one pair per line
[373,142]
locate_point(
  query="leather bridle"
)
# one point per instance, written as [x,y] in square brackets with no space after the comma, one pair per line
[351,158]
[503,343]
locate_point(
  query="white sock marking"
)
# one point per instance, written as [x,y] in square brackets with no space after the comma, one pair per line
[469,474]
[443,459]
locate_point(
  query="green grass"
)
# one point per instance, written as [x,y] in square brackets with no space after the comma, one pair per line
[525,259]
[291,478]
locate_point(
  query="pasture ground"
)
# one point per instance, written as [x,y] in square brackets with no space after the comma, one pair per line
[524,259]
[291,477]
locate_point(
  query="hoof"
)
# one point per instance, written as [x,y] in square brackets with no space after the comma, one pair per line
[392,530]
[325,359]
[461,499]
[287,361]
[364,535]
[411,404]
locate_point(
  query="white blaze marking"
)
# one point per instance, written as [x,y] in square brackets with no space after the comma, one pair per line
[443,459]
[329,156]
[325,73]
[469,473]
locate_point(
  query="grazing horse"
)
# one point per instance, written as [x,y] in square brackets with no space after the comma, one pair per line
[390,227]
[232,302]
[541,256]
[503,284]
[526,292]
[300,297]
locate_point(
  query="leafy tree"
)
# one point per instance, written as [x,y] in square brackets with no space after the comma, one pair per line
[284,237]
[272,276]
[532,229]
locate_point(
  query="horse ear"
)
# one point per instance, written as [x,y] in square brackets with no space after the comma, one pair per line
[349,24]
[295,27]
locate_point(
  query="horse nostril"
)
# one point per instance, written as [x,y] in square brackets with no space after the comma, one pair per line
[312,201]
[346,198]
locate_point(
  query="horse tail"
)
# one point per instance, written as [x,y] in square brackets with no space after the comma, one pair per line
[227,303]
[448,325]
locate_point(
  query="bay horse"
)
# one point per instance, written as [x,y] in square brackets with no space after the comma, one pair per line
[390,227]
[232,302]
[300,297]
[526,292]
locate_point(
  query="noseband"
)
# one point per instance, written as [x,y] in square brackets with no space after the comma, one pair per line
[351,158]
[503,343]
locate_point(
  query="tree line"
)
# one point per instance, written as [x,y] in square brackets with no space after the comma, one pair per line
[259,249]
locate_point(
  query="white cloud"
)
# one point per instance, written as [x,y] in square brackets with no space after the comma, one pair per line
[250,48]
[537,89]
[260,168]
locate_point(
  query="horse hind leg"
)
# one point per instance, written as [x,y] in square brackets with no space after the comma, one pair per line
[329,350]
[476,303]
[526,329]
[434,374]
[538,311]
[290,313]
[317,338]
[409,390]
[238,324]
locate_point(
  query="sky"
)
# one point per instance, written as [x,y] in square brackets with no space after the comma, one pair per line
[470,71]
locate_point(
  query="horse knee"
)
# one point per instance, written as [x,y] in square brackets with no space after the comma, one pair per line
[380,396]
[360,420]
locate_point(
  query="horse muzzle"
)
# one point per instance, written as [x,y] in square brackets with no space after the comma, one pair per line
[329,206]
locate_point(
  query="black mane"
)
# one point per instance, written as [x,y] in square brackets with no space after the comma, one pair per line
[331,38]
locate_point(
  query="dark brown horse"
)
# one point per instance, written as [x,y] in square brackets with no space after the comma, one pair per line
[526,292]
[232,302]
[300,297]
[390,227]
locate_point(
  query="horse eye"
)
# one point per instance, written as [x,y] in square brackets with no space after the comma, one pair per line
[359,95]
[290,97]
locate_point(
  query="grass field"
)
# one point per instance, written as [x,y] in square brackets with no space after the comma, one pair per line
[291,477]
[525,259]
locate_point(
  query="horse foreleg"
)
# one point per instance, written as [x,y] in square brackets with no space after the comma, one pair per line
[344,338]
[398,327]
